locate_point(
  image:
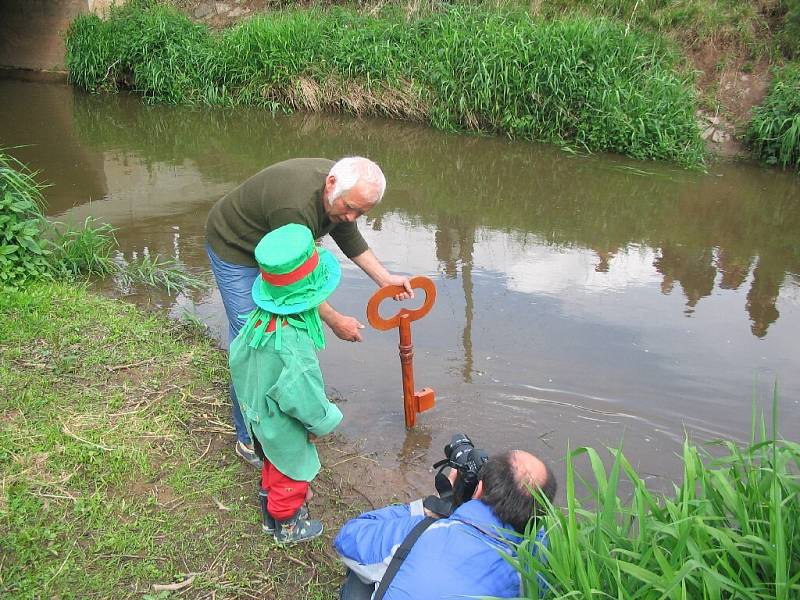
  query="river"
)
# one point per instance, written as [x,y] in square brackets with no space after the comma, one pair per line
[582,300]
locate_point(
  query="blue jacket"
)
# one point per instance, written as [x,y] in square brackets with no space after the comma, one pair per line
[455,557]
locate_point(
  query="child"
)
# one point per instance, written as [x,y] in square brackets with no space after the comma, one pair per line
[277,377]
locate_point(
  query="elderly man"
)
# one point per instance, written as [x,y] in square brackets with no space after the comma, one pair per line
[324,196]
[455,557]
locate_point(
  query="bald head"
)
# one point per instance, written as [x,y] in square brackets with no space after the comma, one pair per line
[510,481]
[529,471]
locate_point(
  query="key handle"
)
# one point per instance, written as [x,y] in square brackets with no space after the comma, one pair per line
[418,283]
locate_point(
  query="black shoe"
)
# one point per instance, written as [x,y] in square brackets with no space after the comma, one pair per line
[267,522]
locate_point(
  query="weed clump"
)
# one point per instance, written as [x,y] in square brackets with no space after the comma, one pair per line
[774,132]
[588,83]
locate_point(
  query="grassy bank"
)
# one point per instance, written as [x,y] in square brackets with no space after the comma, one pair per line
[118,473]
[731,529]
[587,83]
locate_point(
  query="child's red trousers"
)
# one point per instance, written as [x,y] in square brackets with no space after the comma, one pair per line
[285,495]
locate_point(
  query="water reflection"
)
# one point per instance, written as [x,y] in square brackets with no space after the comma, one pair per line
[708,230]
[569,286]
[454,246]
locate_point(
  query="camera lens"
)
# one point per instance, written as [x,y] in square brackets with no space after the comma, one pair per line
[458,448]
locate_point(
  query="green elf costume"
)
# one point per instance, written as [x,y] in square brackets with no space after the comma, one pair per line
[276,374]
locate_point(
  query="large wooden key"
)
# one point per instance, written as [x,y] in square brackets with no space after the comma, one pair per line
[413,402]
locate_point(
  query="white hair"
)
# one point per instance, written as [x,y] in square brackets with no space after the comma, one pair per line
[354,169]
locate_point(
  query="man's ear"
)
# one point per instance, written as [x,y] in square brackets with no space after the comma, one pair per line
[330,182]
[478,491]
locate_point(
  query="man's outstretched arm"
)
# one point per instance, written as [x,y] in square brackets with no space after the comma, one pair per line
[369,263]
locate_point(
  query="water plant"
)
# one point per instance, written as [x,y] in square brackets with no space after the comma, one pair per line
[587,83]
[774,132]
[730,529]
[156,272]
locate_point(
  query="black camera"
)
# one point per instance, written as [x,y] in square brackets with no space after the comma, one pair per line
[461,455]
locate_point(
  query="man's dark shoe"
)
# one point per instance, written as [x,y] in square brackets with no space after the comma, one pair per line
[248,455]
[295,529]
[267,522]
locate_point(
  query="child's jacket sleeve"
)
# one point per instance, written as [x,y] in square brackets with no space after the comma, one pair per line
[300,393]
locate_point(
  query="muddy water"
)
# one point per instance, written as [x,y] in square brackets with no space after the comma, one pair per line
[582,299]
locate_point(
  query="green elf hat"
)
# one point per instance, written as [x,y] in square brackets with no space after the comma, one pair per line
[296,275]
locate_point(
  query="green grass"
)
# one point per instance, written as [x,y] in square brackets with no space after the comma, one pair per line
[774,133]
[733,24]
[84,252]
[116,458]
[730,529]
[582,82]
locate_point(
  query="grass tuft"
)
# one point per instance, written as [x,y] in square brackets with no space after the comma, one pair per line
[33,249]
[157,272]
[84,252]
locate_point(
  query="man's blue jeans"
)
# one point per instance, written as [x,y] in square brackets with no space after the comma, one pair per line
[355,589]
[235,283]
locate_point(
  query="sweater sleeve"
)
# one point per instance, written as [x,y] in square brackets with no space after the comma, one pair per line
[349,239]
[367,543]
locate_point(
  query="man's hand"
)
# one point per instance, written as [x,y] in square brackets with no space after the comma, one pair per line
[431,514]
[347,328]
[400,280]
[369,263]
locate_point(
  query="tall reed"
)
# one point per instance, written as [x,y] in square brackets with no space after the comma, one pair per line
[730,529]
[579,82]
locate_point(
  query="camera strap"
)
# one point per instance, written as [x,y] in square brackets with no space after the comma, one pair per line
[400,555]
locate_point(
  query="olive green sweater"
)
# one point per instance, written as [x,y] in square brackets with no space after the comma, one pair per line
[286,192]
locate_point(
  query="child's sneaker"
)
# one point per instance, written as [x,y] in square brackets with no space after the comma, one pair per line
[267,522]
[296,529]
[248,455]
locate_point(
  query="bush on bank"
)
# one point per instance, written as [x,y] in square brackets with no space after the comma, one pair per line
[583,82]
[775,129]
[34,249]
[23,256]
[731,529]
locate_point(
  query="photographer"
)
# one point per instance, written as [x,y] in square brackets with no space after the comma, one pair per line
[391,554]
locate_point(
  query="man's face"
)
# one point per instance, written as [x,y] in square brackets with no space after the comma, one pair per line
[350,205]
